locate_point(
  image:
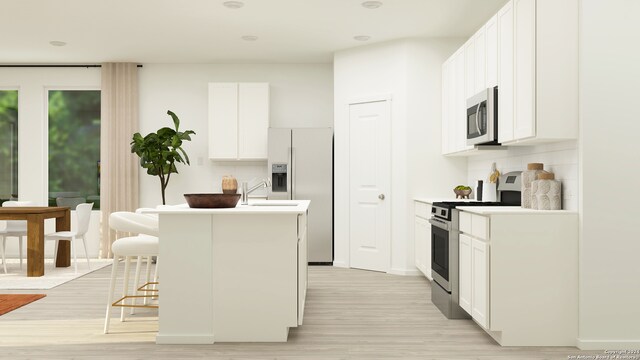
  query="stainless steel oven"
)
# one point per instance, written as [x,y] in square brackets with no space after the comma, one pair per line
[444,260]
[440,252]
[482,118]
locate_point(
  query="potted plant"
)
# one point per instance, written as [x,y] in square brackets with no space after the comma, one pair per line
[160,151]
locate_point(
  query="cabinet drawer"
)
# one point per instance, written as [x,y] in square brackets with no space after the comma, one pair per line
[465,222]
[480,227]
[423,210]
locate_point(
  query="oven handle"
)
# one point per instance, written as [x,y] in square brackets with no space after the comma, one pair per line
[440,224]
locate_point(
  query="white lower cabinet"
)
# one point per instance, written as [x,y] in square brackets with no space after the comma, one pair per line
[303,261]
[473,280]
[480,282]
[464,277]
[518,275]
[422,238]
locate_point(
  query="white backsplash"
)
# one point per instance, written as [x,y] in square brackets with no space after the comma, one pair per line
[559,158]
[251,172]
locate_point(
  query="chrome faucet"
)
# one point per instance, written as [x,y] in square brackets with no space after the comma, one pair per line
[246,190]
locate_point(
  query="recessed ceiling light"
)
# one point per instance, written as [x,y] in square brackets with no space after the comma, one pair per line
[362,37]
[249,38]
[371,4]
[57,43]
[233,4]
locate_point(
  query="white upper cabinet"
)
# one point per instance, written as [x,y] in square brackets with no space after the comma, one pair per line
[446,124]
[459,103]
[467,72]
[480,74]
[491,49]
[470,68]
[545,71]
[525,68]
[529,49]
[505,73]
[454,104]
[238,121]
[223,121]
[253,120]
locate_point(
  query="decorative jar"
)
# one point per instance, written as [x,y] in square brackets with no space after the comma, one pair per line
[229,184]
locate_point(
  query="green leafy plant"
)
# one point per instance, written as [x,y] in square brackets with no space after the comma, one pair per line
[160,151]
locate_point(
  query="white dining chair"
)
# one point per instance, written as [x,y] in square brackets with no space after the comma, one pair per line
[83,216]
[14,228]
[143,245]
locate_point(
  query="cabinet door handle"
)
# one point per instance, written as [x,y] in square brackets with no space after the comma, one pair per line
[381,196]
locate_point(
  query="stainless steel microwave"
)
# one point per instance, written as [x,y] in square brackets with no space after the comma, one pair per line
[482,118]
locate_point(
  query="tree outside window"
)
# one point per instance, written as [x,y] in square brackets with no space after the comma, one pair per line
[8,145]
[74,147]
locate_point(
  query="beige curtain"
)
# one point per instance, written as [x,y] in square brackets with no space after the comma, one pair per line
[119,167]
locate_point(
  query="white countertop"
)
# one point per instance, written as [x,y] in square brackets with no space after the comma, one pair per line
[254,207]
[432,200]
[516,210]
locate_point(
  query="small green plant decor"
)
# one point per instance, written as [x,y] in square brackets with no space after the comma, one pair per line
[159,151]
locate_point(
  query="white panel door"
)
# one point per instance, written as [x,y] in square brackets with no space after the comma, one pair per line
[491,46]
[370,184]
[464,294]
[253,120]
[525,68]
[505,73]
[223,120]
[480,282]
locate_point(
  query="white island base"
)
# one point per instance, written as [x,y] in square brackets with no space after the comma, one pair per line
[232,275]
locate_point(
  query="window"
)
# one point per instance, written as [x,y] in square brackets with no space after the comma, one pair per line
[74,147]
[8,145]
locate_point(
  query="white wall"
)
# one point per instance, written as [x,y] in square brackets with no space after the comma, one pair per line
[32,85]
[559,158]
[410,71]
[610,169]
[301,96]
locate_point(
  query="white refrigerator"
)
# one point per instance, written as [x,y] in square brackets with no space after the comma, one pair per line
[301,168]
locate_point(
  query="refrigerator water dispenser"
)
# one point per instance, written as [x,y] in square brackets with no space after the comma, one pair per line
[279,177]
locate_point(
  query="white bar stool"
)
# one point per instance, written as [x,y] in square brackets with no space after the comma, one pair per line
[143,245]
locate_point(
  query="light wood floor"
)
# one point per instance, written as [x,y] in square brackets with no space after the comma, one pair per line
[350,314]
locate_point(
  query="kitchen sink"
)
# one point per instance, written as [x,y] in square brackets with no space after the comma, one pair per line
[272,203]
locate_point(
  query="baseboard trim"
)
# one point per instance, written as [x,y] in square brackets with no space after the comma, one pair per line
[608,344]
[405,272]
[183,339]
[340,264]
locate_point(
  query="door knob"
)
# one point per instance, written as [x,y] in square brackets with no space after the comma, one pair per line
[381,196]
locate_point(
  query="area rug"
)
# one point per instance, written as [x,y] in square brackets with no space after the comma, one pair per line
[17,279]
[10,302]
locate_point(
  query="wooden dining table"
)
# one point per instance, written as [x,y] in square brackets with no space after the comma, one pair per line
[35,217]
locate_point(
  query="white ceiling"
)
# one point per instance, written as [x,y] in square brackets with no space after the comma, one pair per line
[204,31]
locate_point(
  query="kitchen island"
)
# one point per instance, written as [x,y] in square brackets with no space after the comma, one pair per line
[232,275]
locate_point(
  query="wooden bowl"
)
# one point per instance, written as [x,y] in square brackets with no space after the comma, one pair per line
[209,201]
[462,194]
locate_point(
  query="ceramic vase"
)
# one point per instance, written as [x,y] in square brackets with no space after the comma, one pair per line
[229,184]
[528,176]
[547,192]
